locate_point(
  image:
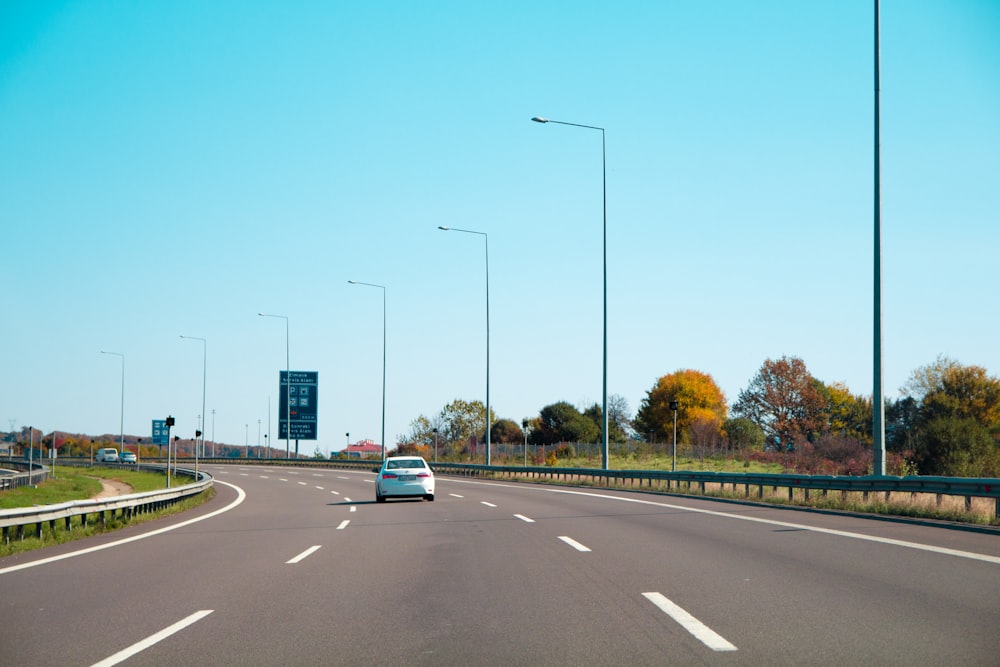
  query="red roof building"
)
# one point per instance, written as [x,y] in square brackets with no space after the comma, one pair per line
[363,448]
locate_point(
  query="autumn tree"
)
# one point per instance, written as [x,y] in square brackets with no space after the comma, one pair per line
[561,422]
[699,400]
[844,413]
[457,422]
[958,419]
[783,399]
[506,431]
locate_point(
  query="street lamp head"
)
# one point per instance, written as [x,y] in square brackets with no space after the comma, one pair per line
[351,282]
[444,228]
[539,119]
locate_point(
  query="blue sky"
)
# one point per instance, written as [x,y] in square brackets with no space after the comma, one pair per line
[175,168]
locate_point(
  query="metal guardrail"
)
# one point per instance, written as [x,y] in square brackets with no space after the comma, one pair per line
[13,521]
[965,487]
[36,475]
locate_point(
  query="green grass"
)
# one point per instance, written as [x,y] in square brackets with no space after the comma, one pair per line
[78,484]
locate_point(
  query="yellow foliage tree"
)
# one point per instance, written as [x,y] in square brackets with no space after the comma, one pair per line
[699,400]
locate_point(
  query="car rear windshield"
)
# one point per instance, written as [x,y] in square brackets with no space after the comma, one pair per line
[411,463]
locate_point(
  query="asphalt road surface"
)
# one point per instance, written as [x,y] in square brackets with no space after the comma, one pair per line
[302,567]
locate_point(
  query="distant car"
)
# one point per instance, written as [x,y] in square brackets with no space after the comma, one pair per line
[127,457]
[404,477]
[107,455]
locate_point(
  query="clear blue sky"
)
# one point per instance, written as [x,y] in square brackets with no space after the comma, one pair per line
[175,168]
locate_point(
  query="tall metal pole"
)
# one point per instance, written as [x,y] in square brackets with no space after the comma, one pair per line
[204,375]
[878,397]
[604,359]
[382,287]
[121,441]
[288,380]
[673,465]
[487,239]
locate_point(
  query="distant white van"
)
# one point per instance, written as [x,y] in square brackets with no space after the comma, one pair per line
[107,455]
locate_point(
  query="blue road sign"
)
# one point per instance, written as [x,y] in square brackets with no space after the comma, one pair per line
[161,435]
[297,409]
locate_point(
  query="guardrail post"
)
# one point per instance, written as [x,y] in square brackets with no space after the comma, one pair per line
[968,503]
[996,513]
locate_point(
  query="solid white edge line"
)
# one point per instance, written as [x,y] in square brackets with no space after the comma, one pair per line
[241,496]
[784,524]
[698,630]
[524,518]
[343,524]
[573,543]
[153,639]
[302,556]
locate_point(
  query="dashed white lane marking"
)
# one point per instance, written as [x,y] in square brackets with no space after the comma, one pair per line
[699,630]
[336,493]
[321,488]
[303,483]
[343,524]
[483,502]
[302,556]
[455,495]
[524,518]
[573,543]
[772,522]
[347,500]
[153,639]
[353,508]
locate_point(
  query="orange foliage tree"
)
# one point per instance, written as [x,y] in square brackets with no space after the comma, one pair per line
[700,404]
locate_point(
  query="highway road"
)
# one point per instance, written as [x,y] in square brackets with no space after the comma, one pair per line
[302,567]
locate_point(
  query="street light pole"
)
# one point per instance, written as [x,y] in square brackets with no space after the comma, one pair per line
[382,287]
[204,375]
[487,239]
[604,186]
[524,424]
[878,397]
[121,442]
[673,406]
[288,380]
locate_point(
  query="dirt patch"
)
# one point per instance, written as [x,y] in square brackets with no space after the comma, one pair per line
[112,488]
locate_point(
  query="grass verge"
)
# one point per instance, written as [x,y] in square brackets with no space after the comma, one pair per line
[79,484]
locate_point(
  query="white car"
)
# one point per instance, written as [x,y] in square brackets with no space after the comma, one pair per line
[404,477]
[127,457]
[107,455]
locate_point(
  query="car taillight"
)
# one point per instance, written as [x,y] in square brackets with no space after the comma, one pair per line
[388,475]
[424,474]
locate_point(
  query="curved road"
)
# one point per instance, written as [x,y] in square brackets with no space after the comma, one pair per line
[302,567]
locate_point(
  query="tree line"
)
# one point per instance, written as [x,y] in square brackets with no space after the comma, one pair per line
[946,422]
